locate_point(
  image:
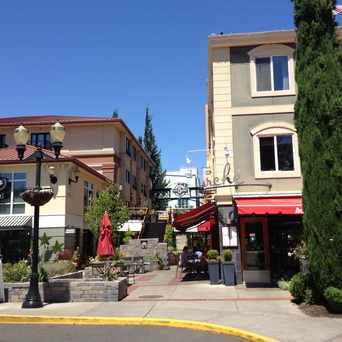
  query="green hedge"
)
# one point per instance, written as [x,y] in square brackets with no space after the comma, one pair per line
[298,287]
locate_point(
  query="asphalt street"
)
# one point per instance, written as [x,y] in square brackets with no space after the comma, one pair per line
[90,333]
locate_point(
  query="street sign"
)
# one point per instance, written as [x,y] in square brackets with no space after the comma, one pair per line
[2,286]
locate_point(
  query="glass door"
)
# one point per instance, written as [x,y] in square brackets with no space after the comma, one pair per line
[254,243]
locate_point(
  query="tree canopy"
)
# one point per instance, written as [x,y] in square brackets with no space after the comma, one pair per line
[109,200]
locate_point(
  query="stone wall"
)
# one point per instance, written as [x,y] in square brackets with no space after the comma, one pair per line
[67,290]
[146,248]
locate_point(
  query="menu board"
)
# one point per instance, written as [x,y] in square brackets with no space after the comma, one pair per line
[229,236]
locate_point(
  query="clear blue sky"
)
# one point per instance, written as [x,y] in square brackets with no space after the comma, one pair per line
[95,56]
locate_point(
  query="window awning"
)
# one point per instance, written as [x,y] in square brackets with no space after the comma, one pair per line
[194,216]
[270,205]
[15,222]
[208,225]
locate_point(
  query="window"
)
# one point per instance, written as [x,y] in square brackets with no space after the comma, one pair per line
[128,177]
[272,71]
[3,141]
[141,162]
[275,151]
[88,194]
[134,182]
[134,153]
[128,146]
[183,203]
[12,185]
[41,139]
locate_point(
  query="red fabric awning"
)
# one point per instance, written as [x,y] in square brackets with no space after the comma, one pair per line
[207,226]
[270,205]
[194,216]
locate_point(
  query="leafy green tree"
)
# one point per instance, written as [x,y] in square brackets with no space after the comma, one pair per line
[109,200]
[318,117]
[169,237]
[157,173]
[127,237]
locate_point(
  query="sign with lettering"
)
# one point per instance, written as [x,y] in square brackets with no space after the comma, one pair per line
[181,189]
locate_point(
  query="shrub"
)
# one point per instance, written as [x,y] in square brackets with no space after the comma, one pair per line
[298,285]
[283,284]
[17,272]
[334,299]
[213,254]
[227,255]
[59,268]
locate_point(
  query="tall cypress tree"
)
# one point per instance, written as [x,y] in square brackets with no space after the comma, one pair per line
[156,172]
[318,117]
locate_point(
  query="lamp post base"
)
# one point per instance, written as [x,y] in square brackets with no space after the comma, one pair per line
[31,303]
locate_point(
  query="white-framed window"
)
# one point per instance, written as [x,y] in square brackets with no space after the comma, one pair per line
[182,203]
[272,70]
[12,184]
[88,194]
[275,147]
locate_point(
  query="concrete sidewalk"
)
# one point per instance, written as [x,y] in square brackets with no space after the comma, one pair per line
[160,294]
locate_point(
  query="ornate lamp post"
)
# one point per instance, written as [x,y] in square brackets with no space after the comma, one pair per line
[37,197]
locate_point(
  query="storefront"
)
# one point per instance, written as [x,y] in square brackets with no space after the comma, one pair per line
[200,226]
[269,229]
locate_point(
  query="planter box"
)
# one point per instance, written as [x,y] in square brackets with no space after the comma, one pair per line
[214,272]
[228,273]
[72,290]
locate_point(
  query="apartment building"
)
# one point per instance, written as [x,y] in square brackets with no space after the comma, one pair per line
[105,144]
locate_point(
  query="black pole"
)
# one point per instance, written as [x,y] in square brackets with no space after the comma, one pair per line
[33,299]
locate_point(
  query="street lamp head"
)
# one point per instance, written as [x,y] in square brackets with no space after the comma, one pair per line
[21,136]
[57,134]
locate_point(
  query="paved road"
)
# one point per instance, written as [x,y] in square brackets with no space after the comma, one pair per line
[58,333]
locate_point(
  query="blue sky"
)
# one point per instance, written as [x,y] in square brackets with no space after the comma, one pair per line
[91,57]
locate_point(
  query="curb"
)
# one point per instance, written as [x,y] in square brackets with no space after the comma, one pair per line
[136,321]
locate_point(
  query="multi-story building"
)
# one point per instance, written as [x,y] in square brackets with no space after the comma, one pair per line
[96,152]
[253,150]
[105,144]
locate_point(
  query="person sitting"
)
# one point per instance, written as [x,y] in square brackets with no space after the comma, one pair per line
[184,257]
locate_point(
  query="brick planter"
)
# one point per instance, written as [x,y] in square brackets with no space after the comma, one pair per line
[71,290]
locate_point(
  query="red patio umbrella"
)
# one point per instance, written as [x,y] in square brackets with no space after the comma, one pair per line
[105,243]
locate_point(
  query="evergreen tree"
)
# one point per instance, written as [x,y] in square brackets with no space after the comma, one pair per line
[156,172]
[318,117]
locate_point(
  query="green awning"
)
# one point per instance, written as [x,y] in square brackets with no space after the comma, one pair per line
[15,222]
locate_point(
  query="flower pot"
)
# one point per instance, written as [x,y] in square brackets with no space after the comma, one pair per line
[228,273]
[37,197]
[214,272]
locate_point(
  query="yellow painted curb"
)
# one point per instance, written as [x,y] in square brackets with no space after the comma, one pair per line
[138,321]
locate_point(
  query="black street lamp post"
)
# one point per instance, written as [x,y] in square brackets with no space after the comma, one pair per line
[37,197]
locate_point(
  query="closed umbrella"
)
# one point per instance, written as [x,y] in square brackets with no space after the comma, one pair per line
[105,243]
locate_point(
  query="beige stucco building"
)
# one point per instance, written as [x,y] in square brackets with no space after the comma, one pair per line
[105,144]
[253,159]
[96,152]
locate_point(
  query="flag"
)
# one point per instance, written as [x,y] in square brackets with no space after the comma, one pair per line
[337,10]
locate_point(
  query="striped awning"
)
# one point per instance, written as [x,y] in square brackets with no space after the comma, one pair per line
[15,222]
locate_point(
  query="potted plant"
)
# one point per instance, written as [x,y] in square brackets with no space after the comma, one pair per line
[333,297]
[228,268]
[213,266]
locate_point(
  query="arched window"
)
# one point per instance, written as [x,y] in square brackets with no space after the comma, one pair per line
[275,147]
[272,70]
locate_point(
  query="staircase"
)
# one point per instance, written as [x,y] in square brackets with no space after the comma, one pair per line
[153,231]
